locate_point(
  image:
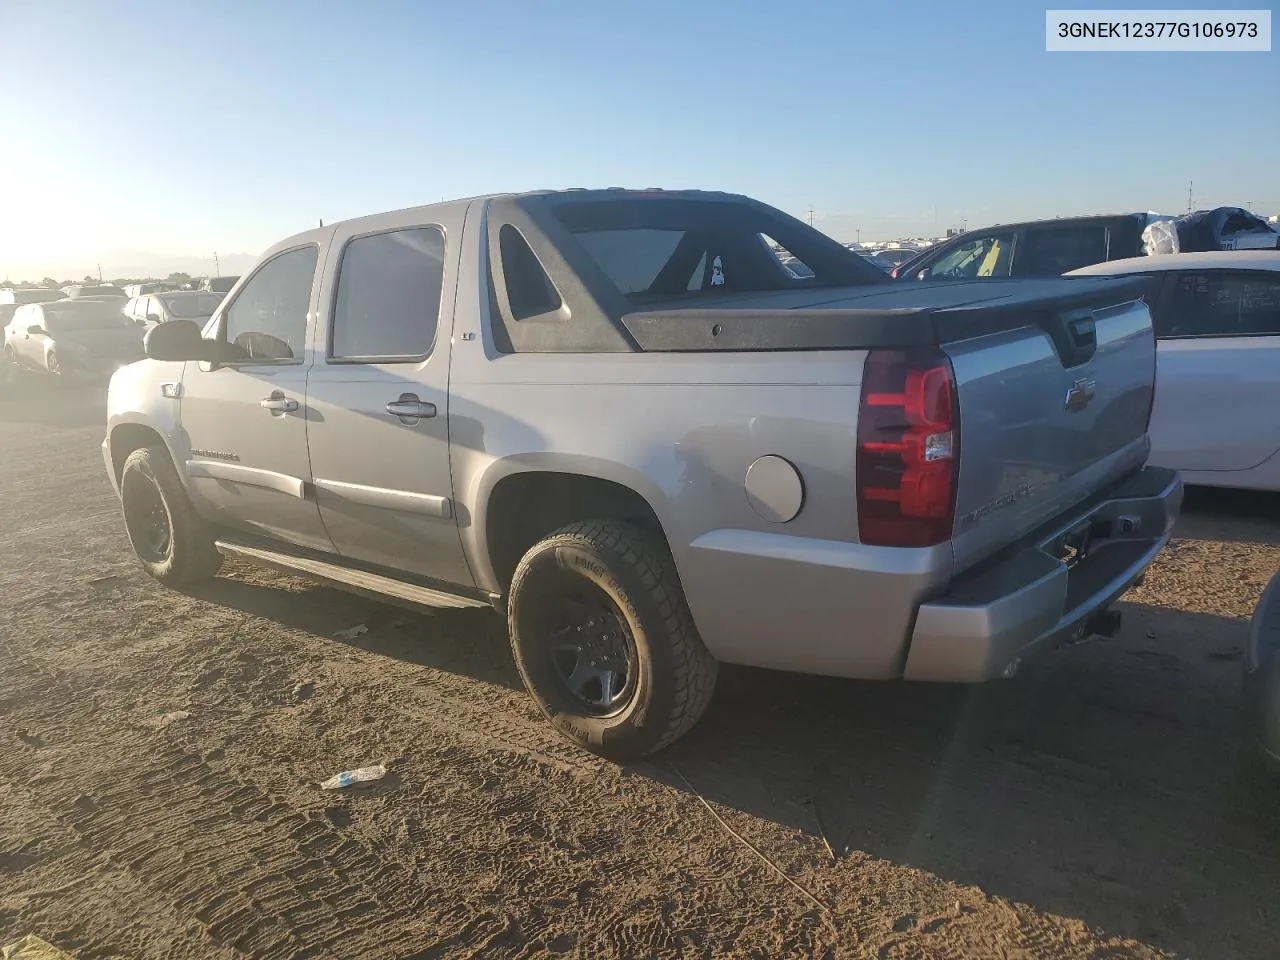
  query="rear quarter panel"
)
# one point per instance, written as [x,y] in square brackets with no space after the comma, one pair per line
[681,430]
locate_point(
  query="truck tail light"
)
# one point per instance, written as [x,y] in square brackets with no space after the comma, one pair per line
[908,449]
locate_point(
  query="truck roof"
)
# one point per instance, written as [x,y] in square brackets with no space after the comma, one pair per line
[578,194]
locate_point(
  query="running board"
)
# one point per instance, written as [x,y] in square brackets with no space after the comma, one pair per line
[363,582]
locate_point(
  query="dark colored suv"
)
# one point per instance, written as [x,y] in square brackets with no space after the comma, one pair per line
[1039,248]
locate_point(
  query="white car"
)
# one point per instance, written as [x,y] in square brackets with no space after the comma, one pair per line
[196,305]
[1217,321]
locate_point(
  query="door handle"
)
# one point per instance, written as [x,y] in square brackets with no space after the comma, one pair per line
[409,407]
[278,403]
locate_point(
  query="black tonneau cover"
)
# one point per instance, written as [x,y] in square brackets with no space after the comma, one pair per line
[870,317]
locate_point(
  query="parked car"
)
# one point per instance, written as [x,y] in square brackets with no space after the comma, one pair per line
[1217,319]
[180,304]
[1041,248]
[892,257]
[15,297]
[99,291]
[218,284]
[797,268]
[11,300]
[72,337]
[615,416]
[143,289]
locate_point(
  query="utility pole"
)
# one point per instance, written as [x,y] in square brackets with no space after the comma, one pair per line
[99,273]
[217,266]
[859,235]
[811,216]
[1190,205]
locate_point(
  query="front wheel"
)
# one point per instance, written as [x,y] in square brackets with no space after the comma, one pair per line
[170,540]
[604,640]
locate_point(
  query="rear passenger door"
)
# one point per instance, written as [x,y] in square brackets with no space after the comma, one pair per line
[1218,370]
[1049,250]
[379,396]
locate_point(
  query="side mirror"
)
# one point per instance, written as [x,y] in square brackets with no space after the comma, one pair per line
[923,274]
[177,340]
[153,318]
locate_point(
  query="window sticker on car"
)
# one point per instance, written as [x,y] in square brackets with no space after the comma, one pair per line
[717,273]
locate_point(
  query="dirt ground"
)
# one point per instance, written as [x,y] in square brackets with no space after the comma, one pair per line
[1091,807]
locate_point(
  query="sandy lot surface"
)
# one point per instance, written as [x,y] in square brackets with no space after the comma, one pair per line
[1092,807]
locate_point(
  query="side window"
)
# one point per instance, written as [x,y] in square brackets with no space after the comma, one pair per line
[529,290]
[794,267]
[1054,250]
[1221,303]
[388,303]
[632,258]
[987,256]
[268,320]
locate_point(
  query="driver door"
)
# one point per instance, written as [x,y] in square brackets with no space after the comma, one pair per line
[246,418]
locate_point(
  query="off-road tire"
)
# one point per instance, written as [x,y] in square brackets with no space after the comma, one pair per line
[191,555]
[675,674]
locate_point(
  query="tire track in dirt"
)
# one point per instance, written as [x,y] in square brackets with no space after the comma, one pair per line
[66,876]
[259,876]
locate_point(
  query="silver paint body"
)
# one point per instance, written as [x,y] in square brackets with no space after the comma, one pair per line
[342,476]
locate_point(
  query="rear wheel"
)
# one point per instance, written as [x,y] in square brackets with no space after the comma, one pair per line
[170,540]
[604,641]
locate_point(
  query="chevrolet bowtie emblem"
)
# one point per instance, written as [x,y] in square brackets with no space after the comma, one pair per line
[1079,395]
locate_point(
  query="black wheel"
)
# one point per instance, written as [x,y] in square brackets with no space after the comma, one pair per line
[169,539]
[604,641]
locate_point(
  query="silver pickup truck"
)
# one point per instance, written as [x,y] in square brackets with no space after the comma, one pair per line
[613,416]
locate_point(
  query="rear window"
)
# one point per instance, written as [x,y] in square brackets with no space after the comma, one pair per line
[36,296]
[83,315]
[657,248]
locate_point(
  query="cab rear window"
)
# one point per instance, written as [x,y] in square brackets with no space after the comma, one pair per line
[653,249]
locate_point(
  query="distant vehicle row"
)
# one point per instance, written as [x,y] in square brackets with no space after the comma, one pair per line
[89,334]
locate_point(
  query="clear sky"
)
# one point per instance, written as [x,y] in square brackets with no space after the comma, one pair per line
[183,128]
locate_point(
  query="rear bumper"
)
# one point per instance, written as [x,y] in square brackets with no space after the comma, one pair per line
[1028,599]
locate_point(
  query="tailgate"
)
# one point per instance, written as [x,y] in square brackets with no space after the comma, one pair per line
[1054,394]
